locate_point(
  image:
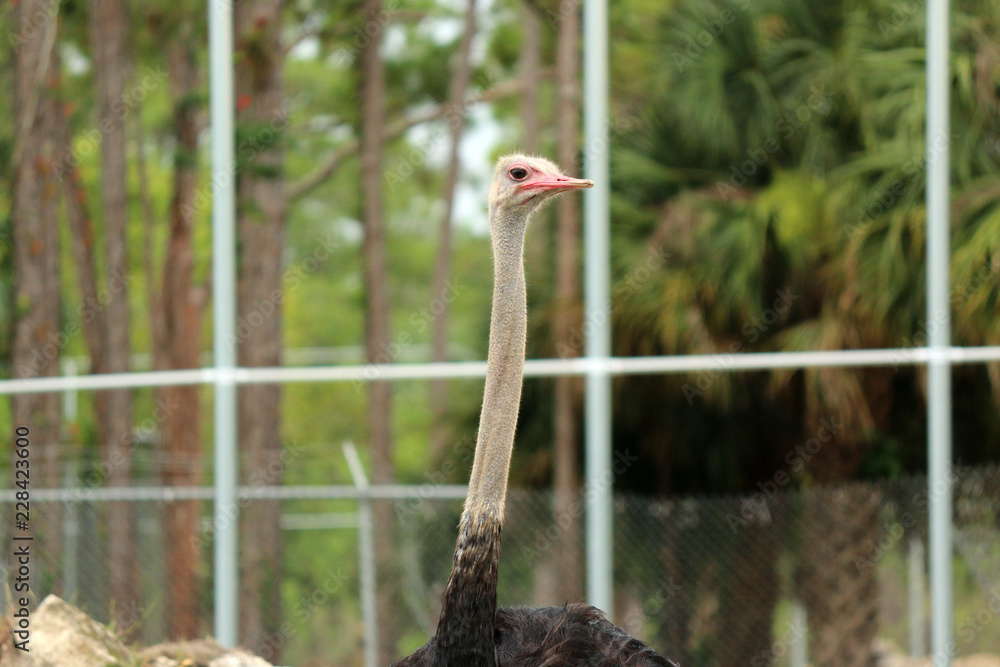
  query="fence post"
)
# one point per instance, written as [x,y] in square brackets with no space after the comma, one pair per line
[70,396]
[798,654]
[597,300]
[70,515]
[939,409]
[71,531]
[915,587]
[366,553]
[226,509]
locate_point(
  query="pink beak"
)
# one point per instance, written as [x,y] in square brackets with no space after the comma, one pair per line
[557,183]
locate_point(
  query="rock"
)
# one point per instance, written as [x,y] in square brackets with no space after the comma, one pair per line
[64,636]
[239,658]
[198,653]
[891,655]
[192,653]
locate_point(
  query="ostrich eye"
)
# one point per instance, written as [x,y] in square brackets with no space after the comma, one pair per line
[518,173]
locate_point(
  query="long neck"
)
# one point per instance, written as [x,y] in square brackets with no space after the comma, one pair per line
[504,372]
[465,630]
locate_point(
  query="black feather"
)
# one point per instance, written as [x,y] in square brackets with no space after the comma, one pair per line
[575,635]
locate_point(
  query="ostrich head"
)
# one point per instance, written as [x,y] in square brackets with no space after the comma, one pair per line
[522,183]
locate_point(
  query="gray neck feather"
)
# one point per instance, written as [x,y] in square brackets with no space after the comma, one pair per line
[504,367]
[465,632]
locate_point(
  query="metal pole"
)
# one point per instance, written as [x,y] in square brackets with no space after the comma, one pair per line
[687,363]
[915,586]
[798,652]
[71,533]
[366,554]
[597,323]
[939,329]
[70,396]
[220,34]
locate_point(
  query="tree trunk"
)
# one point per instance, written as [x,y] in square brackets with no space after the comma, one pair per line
[678,604]
[529,72]
[749,593]
[261,214]
[108,26]
[372,95]
[37,339]
[442,268]
[179,325]
[837,575]
[566,315]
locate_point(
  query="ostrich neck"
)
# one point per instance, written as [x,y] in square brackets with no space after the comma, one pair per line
[468,613]
[504,374]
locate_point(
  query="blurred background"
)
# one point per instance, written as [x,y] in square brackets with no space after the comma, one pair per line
[768,166]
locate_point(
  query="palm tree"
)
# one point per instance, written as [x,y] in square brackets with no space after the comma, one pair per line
[785,157]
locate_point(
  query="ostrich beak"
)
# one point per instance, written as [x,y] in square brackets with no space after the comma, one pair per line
[556,183]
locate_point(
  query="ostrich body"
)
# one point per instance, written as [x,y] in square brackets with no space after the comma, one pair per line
[471,631]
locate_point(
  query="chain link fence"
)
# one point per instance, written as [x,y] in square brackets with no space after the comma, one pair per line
[827,576]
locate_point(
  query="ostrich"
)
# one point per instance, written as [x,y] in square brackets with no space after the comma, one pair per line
[471,631]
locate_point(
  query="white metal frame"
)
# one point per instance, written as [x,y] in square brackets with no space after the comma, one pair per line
[939,411]
[598,366]
[747,361]
[597,297]
[226,564]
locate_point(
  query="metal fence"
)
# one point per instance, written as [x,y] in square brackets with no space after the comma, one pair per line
[781,577]
[598,366]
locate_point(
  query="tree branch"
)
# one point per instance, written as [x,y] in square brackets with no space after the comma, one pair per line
[322,173]
[310,29]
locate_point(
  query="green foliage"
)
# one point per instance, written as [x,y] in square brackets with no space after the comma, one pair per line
[794,203]
[784,153]
[768,174]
